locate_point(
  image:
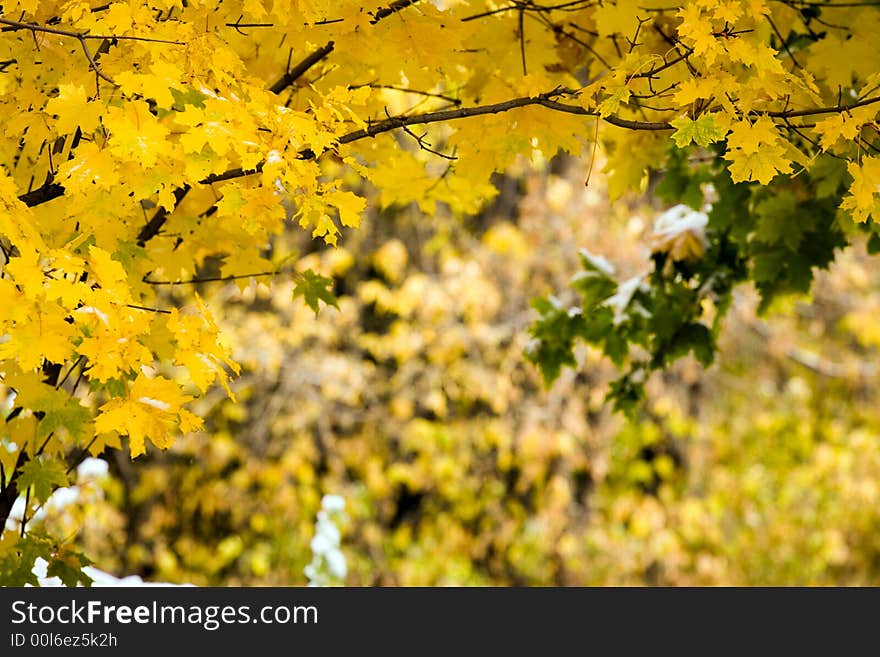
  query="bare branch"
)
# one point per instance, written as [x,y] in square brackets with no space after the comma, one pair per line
[10,490]
[427,94]
[426,145]
[13,26]
[299,70]
[210,279]
[162,311]
[393,8]
[238,25]
[47,192]
[834,109]
[154,225]
[545,100]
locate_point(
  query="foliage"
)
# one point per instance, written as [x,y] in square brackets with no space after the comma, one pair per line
[157,144]
[458,468]
[411,401]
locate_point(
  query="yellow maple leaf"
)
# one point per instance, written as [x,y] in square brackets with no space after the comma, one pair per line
[27,272]
[113,348]
[109,274]
[617,95]
[755,151]
[622,18]
[350,206]
[838,126]
[696,89]
[43,333]
[152,410]
[200,348]
[863,197]
[135,134]
[729,11]
[761,167]
[90,166]
[696,30]
[72,110]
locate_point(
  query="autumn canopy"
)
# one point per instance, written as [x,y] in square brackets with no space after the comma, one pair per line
[149,145]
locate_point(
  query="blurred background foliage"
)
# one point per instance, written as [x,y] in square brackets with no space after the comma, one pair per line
[413,402]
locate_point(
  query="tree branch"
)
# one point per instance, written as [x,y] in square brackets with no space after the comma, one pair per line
[613,120]
[9,493]
[81,37]
[13,26]
[210,279]
[154,225]
[51,190]
[834,109]
[544,100]
[48,191]
[299,70]
[393,8]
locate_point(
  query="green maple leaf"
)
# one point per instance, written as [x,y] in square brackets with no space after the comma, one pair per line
[313,288]
[779,221]
[61,410]
[702,131]
[67,564]
[44,475]
[17,564]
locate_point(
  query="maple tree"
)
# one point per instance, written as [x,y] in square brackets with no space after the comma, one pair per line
[150,146]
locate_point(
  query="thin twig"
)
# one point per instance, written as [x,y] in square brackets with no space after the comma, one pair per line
[209,279]
[426,146]
[783,42]
[408,90]
[24,518]
[82,454]
[69,372]
[148,309]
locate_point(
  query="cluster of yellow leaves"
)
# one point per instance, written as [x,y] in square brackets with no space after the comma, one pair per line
[62,307]
[756,151]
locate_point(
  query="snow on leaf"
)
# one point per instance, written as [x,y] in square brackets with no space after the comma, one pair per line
[152,410]
[598,262]
[680,232]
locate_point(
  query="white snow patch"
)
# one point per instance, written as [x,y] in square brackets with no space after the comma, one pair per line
[155,403]
[336,563]
[599,262]
[97,312]
[100,578]
[92,468]
[680,219]
[620,301]
[333,503]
